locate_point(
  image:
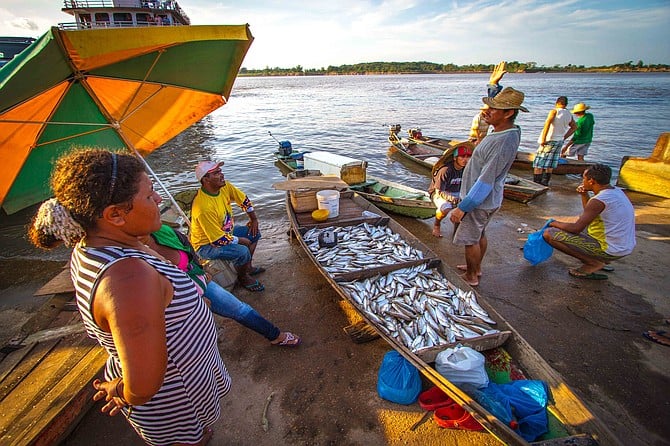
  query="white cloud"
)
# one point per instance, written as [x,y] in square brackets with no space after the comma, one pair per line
[316,33]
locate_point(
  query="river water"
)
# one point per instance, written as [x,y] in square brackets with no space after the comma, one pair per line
[349,115]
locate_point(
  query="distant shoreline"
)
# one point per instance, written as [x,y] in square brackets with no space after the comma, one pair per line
[379,73]
[378,68]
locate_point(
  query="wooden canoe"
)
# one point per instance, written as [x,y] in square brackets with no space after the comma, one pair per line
[388,195]
[568,415]
[426,154]
[524,161]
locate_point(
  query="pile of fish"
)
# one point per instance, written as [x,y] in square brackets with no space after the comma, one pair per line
[420,308]
[415,305]
[360,247]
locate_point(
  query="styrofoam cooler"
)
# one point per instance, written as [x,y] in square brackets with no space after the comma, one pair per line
[350,170]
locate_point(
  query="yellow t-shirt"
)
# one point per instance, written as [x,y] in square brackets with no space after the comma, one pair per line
[212,215]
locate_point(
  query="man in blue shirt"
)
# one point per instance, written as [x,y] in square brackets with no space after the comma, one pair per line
[484,179]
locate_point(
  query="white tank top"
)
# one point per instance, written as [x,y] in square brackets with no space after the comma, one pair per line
[614,228]
[559,127]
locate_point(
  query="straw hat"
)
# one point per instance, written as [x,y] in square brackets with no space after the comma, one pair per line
[580,108]
[508,99]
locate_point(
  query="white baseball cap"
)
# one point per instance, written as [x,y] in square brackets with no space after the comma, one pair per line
[205,167]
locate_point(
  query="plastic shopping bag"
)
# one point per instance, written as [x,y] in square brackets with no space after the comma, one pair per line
[462,365]
[398,380]
[536,250]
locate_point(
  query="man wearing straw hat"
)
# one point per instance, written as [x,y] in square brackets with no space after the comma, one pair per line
[484,179]
[479,127]
[581,139]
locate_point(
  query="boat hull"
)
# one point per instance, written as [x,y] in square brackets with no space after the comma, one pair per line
[566,408]
[423,156]
[566,166]
[397,198]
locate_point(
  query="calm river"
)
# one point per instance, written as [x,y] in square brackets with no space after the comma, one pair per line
[349,115]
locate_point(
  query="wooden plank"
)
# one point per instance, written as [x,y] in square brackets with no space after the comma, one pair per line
[311,183]
[54,416]
[28,389]
[62,283]
[28,361]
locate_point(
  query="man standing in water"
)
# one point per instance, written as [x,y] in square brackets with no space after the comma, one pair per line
[484,179]
[558,126]
[581,139]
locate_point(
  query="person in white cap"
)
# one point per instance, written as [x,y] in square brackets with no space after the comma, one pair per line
[484,179]
[213,232]
[583,136]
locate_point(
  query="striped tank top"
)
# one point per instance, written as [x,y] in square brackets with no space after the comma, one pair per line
[196,377]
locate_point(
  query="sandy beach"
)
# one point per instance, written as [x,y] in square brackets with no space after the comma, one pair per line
[324,392]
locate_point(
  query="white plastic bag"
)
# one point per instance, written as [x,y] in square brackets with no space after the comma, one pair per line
[462,365]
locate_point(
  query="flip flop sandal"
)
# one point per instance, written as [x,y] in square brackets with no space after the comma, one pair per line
[256,286]
[659,337]
[455,417]
[582,275]
[434,398]
[465,268]
[257,270]
[290,340]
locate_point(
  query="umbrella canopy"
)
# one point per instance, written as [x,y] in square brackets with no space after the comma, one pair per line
[118,89]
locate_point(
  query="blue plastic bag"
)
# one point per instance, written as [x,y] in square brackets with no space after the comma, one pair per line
[536,250]
[523,402]
[398,380]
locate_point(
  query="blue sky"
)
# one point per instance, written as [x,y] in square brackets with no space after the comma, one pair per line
[318,33]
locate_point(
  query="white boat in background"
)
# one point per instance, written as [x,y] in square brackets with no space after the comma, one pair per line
[11,46]
[91,14]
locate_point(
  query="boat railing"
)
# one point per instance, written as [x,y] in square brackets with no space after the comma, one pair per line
[105,24]
[169,5]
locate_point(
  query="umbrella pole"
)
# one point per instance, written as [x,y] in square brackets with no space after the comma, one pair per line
[160,183]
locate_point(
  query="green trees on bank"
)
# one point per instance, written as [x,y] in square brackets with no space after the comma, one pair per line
[435,68]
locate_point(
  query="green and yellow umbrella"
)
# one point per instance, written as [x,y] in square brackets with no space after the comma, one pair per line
[119,89]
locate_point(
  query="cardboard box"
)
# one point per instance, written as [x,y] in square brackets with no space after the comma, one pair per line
[350,170]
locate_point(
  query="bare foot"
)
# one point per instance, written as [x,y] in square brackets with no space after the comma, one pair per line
[471,282]
[465,268]
[436,232]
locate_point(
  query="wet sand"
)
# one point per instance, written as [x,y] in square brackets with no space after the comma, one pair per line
[324,392]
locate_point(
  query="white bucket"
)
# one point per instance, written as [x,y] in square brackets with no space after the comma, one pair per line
[329,199]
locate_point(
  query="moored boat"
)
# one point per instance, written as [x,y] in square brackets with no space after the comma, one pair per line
[388,195]
[126,14]
[524,161]
[569,418]
[648,175]
[425,156]
[11,46]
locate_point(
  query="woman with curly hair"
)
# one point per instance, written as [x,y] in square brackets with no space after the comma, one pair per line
[164,371]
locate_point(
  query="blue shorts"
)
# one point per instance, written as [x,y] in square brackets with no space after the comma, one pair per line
[238,254]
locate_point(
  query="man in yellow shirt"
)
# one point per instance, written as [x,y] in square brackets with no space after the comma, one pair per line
[213,233]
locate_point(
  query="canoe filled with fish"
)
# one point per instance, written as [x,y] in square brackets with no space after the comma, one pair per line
[420,307]
[416,305]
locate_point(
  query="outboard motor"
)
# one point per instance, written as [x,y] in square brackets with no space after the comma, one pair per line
[285,147]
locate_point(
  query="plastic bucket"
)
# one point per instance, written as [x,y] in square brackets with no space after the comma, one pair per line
[329,199]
